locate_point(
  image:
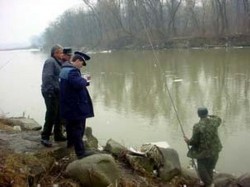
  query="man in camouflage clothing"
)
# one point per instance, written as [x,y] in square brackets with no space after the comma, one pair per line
[205,144]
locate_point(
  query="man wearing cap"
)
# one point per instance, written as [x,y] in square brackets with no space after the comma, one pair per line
[50,92]
[67,54]
[76,104]
[205,144]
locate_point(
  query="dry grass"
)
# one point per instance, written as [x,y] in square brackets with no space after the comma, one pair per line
[3,126]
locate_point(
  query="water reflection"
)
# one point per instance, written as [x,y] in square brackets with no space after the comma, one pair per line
[130,92]
[132,81]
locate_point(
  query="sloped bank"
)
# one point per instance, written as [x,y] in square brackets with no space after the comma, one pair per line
[25,162]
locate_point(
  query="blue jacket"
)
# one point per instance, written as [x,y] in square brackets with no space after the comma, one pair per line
[75,101]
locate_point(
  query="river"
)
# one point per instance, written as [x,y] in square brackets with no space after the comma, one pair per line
[131,93]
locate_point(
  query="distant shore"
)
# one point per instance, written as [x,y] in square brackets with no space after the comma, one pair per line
[232,41]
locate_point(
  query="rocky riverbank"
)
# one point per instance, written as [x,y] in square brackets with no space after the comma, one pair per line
[25,162]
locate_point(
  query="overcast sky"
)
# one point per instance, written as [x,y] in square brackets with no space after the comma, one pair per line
[22,19]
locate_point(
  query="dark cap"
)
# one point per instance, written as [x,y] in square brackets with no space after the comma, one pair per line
[202,112]
[82,55]
[67,51]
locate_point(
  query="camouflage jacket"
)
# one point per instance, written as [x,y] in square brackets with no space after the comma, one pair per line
[205,141]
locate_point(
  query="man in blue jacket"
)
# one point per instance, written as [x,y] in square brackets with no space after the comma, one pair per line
[75,102]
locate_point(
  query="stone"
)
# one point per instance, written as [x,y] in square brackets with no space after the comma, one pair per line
[25,123]
[171,166]
[99,170]
[91,142]
[225,180]
[115,148]
[244,180]
[17,128]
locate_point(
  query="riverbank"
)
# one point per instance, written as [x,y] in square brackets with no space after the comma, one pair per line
[230,41]
[227,41]
[25,162]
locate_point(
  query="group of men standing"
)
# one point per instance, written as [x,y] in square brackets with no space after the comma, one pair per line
[66,98]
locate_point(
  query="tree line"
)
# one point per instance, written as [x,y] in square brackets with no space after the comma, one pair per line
[125,23]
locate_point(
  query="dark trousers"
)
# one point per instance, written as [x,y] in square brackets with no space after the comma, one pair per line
[75,131]
[205,169]
[52,116]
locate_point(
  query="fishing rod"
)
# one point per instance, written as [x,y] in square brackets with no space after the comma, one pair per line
[168,91]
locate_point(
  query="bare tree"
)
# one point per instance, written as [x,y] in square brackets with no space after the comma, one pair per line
[117,23]
[221,16]
[247,15]
[191,23]
[95,14]
[173,6]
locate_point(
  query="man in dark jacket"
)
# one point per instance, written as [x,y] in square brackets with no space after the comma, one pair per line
[67,54]
[205,144]
[76,104]
[50,92]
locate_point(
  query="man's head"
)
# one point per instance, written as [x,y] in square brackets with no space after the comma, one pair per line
[79,59]
[57,52]
[202,112]
[67,54]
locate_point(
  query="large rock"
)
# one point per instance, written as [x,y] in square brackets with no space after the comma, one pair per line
[225,180]
[25,123]
[99,170]
[21,142]
[244,180]
[91,142]
[190,174]
[171,166]
[115,148]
